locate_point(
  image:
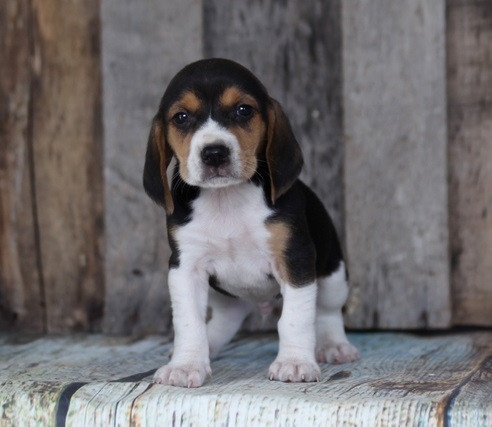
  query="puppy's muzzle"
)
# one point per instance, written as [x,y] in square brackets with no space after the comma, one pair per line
[216,160]
[215,155]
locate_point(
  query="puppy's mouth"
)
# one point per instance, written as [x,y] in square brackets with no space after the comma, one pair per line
[211,172]
[217,167]
[218,176]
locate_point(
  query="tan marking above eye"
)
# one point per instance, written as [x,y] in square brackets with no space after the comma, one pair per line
[188,102]
[233,96]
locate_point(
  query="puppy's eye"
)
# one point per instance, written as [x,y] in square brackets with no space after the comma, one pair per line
[244,110]
[180,118]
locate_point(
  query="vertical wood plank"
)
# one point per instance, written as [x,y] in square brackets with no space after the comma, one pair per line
[21,295]
[67,149]
[395,163]
[295,49]
[469,66]
[144,44]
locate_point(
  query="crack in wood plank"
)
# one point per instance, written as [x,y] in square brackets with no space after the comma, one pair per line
[450,400]
[34,53]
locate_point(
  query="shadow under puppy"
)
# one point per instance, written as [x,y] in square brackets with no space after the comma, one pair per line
[243,229]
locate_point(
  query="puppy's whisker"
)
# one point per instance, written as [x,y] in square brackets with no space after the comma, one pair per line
[251,168]
[180,184]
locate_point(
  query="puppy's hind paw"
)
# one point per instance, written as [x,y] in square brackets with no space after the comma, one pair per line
[293,370]
[188,375]
[337,353]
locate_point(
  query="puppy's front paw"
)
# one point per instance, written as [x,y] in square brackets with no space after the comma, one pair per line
[294,370]
[337,353]
[185,375]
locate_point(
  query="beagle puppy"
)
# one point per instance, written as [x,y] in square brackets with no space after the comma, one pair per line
[243,229]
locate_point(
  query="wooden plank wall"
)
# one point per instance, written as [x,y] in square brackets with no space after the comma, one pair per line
[144,44]
[22,296]
[469,64]
[395,163]
[67,153]
[364,84]
[52,205]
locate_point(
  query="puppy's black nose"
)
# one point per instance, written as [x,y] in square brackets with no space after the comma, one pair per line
[215,155]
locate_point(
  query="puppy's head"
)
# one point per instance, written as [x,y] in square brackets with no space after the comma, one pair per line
[218,121]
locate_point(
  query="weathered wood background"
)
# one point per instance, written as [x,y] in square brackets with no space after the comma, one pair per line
[395,167]
[143,44]
[51,186]
[469,89]
[391,103]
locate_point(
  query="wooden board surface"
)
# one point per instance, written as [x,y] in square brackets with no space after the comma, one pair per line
[396,163]
[401,380]
[67,159]
[469,62]
[144,44]
[22,296]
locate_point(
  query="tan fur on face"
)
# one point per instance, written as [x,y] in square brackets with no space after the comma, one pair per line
[188,102]
[180,142]
[280,234]
[159,142]
[233,97]
[250,137]
[250,142]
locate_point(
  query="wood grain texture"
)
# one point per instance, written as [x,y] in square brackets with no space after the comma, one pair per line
[401,380]
[21,294]
[469,64]
[67,158]
[34,398]
[472,402]
[396,164]
[144,44]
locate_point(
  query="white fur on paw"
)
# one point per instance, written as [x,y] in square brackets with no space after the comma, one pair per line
[294,370]
[337,353]
[186,375]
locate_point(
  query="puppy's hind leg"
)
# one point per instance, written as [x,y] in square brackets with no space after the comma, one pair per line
[226,317]
[332,343]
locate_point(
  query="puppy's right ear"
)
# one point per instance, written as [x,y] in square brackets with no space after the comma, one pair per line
[157,160]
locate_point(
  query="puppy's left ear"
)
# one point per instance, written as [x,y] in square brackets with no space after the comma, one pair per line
[157,160]
[283,153]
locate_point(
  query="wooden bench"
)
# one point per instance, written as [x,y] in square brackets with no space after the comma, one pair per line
[401,380]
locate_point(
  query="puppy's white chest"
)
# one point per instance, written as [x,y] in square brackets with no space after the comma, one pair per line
[227,238]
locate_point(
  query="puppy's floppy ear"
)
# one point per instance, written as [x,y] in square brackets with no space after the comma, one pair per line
[283,153]
[157,160]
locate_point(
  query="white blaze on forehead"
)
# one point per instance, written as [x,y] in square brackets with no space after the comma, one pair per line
[211,132]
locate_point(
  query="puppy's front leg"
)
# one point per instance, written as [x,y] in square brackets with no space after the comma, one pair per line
[190,363]
[295,361]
